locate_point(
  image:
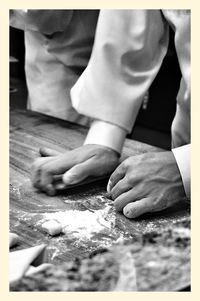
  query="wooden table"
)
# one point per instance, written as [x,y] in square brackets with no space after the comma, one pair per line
[29,208]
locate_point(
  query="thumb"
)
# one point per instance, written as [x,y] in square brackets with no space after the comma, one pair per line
[137,208]
[47,152]
[78,173]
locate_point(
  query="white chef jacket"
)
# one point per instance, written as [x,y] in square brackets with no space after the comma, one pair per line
[58,45]
[128,51]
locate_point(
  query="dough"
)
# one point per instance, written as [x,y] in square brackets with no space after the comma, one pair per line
[52,227]
[154,261]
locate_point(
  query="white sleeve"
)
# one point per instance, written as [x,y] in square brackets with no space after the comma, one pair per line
[182,156]
[127,54]
[106,134]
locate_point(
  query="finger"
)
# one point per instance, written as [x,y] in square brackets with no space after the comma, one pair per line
[46,181]
[116,176]
[136,209]
[47,152]
[121,187]
[121,201]
[57,165]
[50,189]
[80,172]
[36,170]
[132,195]
[43,174]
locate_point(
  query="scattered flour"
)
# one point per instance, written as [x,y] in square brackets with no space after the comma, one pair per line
[83,224]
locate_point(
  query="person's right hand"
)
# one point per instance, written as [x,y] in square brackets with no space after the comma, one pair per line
[73,166]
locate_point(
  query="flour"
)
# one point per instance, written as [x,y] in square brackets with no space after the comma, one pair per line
[82,231]
[83,224]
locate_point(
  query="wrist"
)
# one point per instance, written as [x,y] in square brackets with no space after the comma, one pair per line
[107,135]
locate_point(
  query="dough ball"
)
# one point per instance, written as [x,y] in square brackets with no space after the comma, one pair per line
[52,227]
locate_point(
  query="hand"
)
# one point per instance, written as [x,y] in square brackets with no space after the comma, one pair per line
[73,166]
[146,183]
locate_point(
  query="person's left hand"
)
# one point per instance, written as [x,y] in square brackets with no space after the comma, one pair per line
[146,183]
[71,167]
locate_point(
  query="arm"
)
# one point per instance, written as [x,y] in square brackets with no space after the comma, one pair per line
[127,54]
[155,181]
[128,51]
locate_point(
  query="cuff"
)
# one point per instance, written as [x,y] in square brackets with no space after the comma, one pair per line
[182,156]
[106,134]
[75,91]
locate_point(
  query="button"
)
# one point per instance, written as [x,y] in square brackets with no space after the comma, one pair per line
[145,101]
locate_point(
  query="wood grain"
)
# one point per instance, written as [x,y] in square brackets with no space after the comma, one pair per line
[28,132]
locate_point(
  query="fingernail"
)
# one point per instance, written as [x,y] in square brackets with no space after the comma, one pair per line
[60,186]
[108,186]
[127,212]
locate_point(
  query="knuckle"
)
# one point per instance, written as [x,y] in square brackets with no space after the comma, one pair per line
[129,179]
[159,203]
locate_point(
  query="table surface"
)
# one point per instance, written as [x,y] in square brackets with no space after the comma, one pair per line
[91,223]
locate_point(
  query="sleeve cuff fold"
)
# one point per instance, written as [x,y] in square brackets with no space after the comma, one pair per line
[182,156]
[106,134]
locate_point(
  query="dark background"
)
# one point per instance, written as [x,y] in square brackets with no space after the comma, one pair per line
[153,124]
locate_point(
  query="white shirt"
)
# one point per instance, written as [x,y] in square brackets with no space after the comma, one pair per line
[58,45]
[128,51]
